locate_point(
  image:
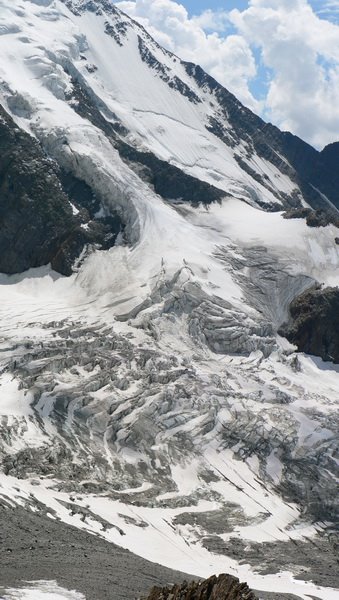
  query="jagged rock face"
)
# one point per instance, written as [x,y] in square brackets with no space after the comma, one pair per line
[314,218]
[314,323]
[36,217]
[312,171]
[317,170]
[46,216]
[224,587]
[167,180]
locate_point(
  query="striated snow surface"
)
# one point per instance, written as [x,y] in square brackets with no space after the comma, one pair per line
[148,397]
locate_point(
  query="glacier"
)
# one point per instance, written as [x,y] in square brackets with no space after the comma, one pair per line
[148,398]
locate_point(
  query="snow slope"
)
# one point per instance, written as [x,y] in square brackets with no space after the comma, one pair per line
[161,106]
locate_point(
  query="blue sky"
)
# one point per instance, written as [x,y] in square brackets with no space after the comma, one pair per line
[257,86]
[196,6]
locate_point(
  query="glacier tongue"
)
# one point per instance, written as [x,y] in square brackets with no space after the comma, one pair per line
[148,398]
[173,417]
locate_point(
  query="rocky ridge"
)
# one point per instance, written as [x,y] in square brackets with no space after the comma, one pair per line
[46,215]
[224,587]
[314,172]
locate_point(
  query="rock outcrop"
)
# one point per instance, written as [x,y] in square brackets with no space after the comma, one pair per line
[314,172]
[46,216]
[314,218]
[224,587]
[314,323]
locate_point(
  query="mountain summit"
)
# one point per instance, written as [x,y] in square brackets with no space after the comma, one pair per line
[81,74]
[158,242]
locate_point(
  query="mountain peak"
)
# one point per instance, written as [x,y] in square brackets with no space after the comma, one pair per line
[95,6]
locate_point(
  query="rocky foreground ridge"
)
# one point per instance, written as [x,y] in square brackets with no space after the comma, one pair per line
[224,587]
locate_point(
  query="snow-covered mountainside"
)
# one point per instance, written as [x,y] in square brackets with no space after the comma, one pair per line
[147,394]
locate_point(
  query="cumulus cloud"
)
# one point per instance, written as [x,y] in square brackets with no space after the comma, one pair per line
[330,6]
[228,58]
[213,20]
[299,54]
[302,52]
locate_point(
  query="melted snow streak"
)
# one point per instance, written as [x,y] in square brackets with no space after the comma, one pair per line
[148,397]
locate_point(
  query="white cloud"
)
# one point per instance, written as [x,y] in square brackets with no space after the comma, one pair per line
[227,58]
[213,20]
[331,5]
[299,49]
[302,51]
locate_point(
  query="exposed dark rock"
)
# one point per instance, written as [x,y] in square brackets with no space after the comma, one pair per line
[224,587]
[35,214]
[316,173]
[117,31]
[91,68]
[38,224]
[314,218]
[96,6]
[319,169]
[89,106]
[167,180]
[314,323]
[165,73]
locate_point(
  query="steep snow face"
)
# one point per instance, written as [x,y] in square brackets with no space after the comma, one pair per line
[46,46]
[149,394]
